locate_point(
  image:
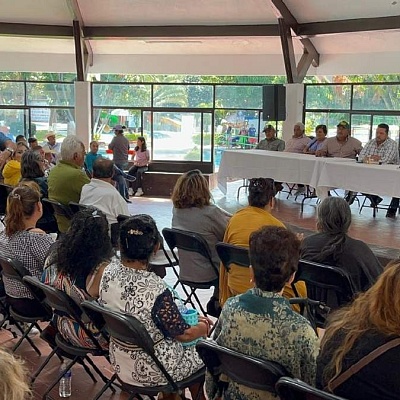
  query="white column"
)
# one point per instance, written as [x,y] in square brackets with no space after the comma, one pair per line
[83,115]
[294,108]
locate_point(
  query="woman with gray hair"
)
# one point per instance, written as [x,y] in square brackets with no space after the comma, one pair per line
[332,245]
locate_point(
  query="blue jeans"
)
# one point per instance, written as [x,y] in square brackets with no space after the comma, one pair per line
[120,180]
[138,172]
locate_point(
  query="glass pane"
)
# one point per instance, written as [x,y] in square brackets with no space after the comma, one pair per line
[244,97]
[329,119]
[106,94]
[12,93]
[105,119]
[361,127]
[176,96]
[176,136]
[328,96]
[200,96]
[50,94]
[392,120]
[376,97]
[14,123]
[61,121]
[207,131]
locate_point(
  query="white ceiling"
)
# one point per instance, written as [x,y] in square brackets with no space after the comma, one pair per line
[361,52]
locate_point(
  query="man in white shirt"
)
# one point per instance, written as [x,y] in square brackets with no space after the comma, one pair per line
[299,140]
[102,194]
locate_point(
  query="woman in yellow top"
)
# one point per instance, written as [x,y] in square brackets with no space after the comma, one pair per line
[12,170]
[240,226]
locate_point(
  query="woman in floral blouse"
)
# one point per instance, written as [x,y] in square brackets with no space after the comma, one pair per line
[260,322]
[127,286]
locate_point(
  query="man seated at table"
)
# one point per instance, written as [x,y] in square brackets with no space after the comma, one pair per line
[297,144]
[271,142]
[343,146]
[299,140]
[381,149]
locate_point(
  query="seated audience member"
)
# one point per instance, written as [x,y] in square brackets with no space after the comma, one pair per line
[53,146]
[384,150]
[72,261]
[127,286]
[101,193]
[12,170]
[141,165]
[260,323]
[342,145]
[332,245]
[271,142]
[14,378]
[67,178]
[21,139]
[7,148]
[22,241]
[316,144]
[194,212]
[357,331]
[32,142]
[238,231]
[299,140]
[32,170]
[92,156]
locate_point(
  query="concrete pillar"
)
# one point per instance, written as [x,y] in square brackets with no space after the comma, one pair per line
[83,114]
[294,108]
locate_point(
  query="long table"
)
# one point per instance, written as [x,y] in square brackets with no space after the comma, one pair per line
[319,172]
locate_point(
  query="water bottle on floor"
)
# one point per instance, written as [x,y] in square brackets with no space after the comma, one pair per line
[64,389]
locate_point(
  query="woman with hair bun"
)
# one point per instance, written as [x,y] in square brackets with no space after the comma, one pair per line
[22,241]
[126,285]
[238,231]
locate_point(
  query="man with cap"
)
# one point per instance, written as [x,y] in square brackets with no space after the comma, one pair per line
[271,142]
[299,140]
[342,145]
[120,147]
[51,146]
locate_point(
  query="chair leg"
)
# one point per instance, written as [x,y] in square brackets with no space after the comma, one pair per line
[99,373]
[42,367]
[60,375]
[25,336]
[106,386]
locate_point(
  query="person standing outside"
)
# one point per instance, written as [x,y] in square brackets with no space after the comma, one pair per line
[120,147]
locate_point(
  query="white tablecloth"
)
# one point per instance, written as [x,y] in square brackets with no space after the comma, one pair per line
[320,173]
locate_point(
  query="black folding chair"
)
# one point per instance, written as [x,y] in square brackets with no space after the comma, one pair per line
[76,207]
[328,285]
[62,304]
[245,370]
[230,254]
[195,243]
[5,190]
[295,389]
[14,270]
[130,330]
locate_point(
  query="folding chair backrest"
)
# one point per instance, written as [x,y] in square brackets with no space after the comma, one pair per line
[243,369]
[229,254]
[76,207]
[295,389]
[324,283]
[63,304]
[59,209]
[5,190]
[188,241]
[12,268]
[128,329]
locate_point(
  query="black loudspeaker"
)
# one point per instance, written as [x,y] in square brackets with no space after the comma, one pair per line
[274,103]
